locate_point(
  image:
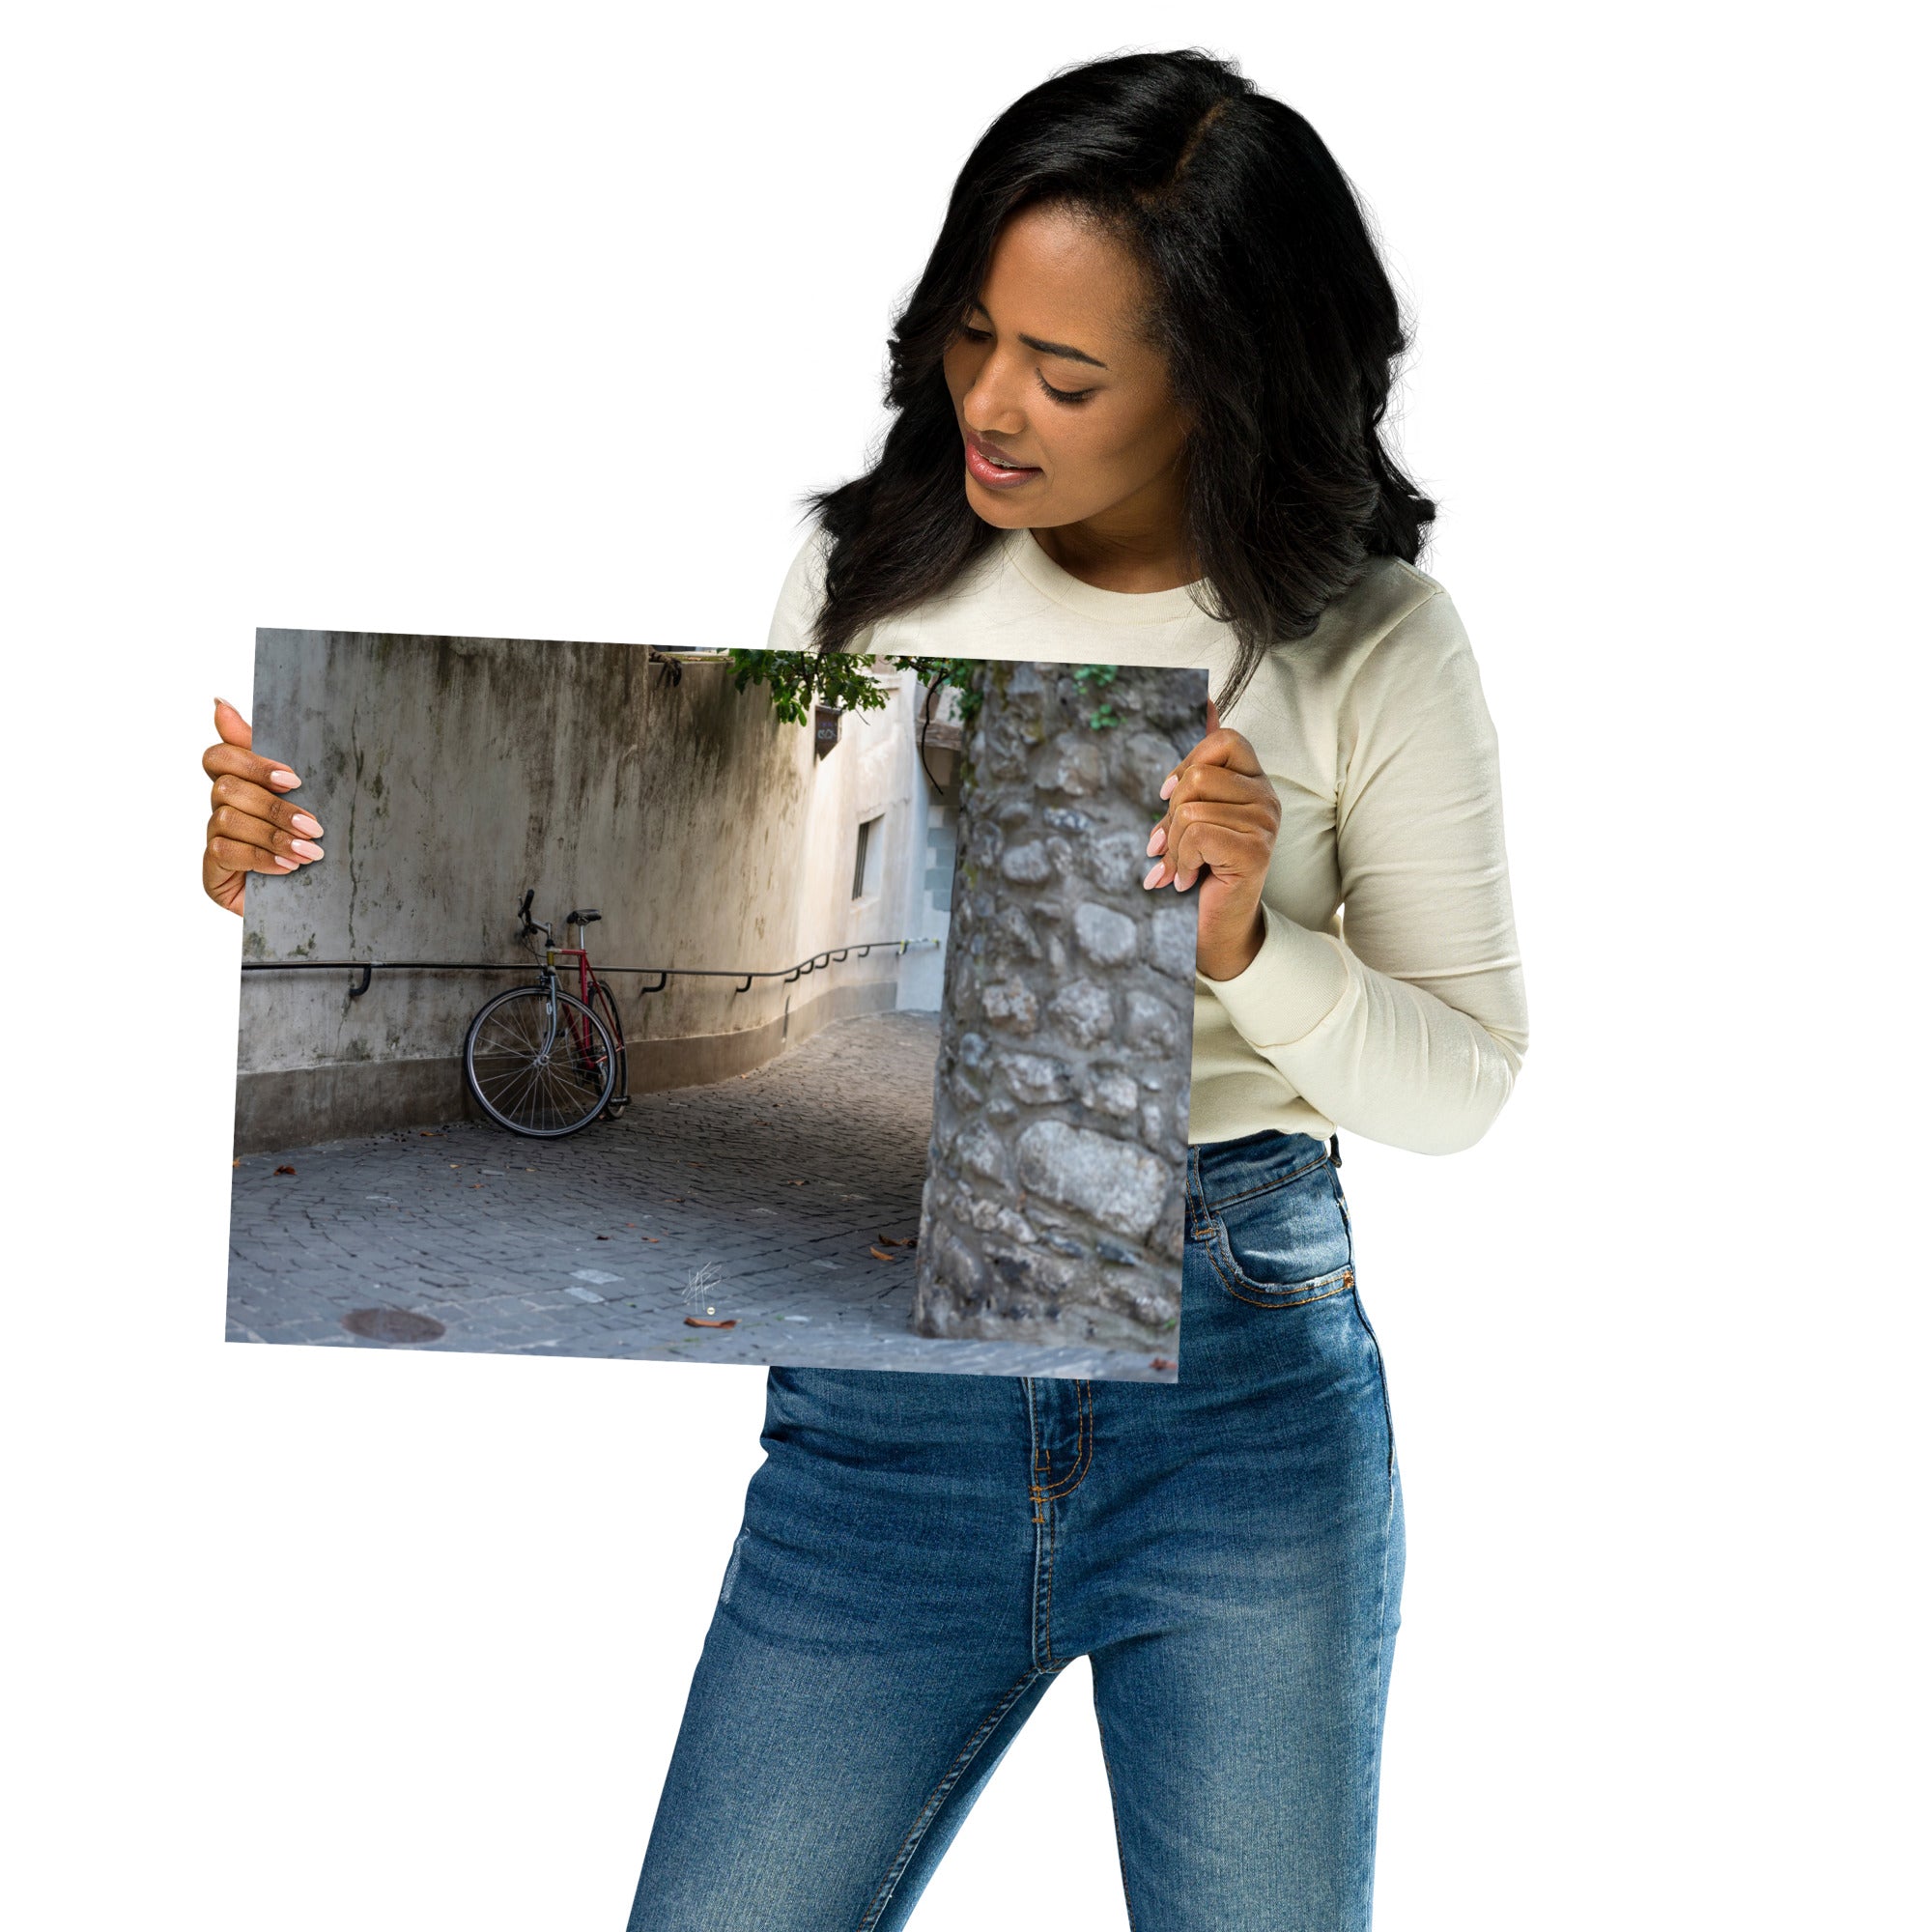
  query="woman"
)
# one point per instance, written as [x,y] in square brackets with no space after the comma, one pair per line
[1137,399]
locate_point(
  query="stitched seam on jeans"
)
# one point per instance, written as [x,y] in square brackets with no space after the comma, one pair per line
[1045,1627]
[1037,1457]
[1371,1793]
[1249,1193]
[909,1844]
[1046,1539]
[1083,1453]
[1221,1250]
[1239,1284]
[1044,1519]
[1235,1282]
[1083,1450]
[1042,1549]
[1381,1381]
[1300,1301]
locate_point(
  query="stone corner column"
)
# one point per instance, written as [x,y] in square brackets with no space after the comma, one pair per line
[1055,1198]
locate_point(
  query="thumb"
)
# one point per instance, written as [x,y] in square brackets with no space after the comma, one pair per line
[231,727]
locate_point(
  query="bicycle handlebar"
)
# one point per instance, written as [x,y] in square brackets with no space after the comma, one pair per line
[527,924]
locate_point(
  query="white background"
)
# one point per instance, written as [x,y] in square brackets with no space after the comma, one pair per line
[537,321]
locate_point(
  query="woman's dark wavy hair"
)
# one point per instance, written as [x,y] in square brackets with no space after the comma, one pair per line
[1278,322]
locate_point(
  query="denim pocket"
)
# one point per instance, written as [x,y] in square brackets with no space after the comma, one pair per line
[1285,1242]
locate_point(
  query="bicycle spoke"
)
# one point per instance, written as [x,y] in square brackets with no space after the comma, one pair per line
[516,1086]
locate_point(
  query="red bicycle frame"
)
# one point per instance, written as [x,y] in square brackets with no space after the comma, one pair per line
[585,980]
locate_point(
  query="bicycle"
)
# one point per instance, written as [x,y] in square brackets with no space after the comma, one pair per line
[542,1062]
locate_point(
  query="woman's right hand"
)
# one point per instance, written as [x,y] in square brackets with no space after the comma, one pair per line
[253,827]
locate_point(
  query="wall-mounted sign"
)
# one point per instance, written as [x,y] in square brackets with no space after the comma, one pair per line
[825,732]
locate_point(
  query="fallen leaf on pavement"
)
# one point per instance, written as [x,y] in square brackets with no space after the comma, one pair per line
[698,1321]
[285,1169]
[1161,1362]
[879,1254]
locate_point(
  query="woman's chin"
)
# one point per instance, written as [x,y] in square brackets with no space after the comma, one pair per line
[997,508]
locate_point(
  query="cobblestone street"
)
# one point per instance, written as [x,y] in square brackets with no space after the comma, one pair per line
[758,1200]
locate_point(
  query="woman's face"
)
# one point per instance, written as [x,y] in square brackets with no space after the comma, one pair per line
[1047,372]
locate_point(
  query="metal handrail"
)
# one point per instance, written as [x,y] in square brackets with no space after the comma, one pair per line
[368,967]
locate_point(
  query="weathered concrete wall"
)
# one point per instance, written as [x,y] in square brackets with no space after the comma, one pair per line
[1055,1199]
[452,774]
[934,763]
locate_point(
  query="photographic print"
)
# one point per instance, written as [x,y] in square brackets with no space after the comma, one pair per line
[646,1004]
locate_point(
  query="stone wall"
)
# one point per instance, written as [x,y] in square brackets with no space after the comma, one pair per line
[1055,1199]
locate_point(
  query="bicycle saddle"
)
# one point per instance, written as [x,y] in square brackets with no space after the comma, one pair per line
[582,918]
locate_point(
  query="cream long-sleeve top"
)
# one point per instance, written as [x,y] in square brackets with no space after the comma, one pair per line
[1387,998]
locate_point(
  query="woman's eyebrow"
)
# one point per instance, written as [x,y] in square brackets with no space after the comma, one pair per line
[1062,349]
[1071,353]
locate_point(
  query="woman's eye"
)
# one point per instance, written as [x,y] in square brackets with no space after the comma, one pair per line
[1065,395]
[969,333]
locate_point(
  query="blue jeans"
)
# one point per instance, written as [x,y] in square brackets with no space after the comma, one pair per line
[923,1554]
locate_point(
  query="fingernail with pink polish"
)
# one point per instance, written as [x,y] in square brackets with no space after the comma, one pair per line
[286,780]
[309,828]
[1153,875]
[307,848]
[1173,780]
[1159,842]
[287,864]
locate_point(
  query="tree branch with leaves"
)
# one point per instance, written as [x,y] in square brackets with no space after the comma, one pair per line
[798,680]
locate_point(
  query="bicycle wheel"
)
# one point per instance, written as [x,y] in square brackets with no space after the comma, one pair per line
[534,1078]
[605,1009]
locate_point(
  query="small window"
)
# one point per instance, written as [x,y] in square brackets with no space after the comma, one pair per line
[864,862]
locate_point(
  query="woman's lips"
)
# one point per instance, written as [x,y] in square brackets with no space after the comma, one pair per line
[995,475]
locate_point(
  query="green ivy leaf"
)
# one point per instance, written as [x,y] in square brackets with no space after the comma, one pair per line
[1095,678]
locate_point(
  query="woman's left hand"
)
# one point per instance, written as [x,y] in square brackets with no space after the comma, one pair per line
[1222,818]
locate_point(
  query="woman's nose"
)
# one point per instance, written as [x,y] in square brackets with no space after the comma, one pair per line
[990,404]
